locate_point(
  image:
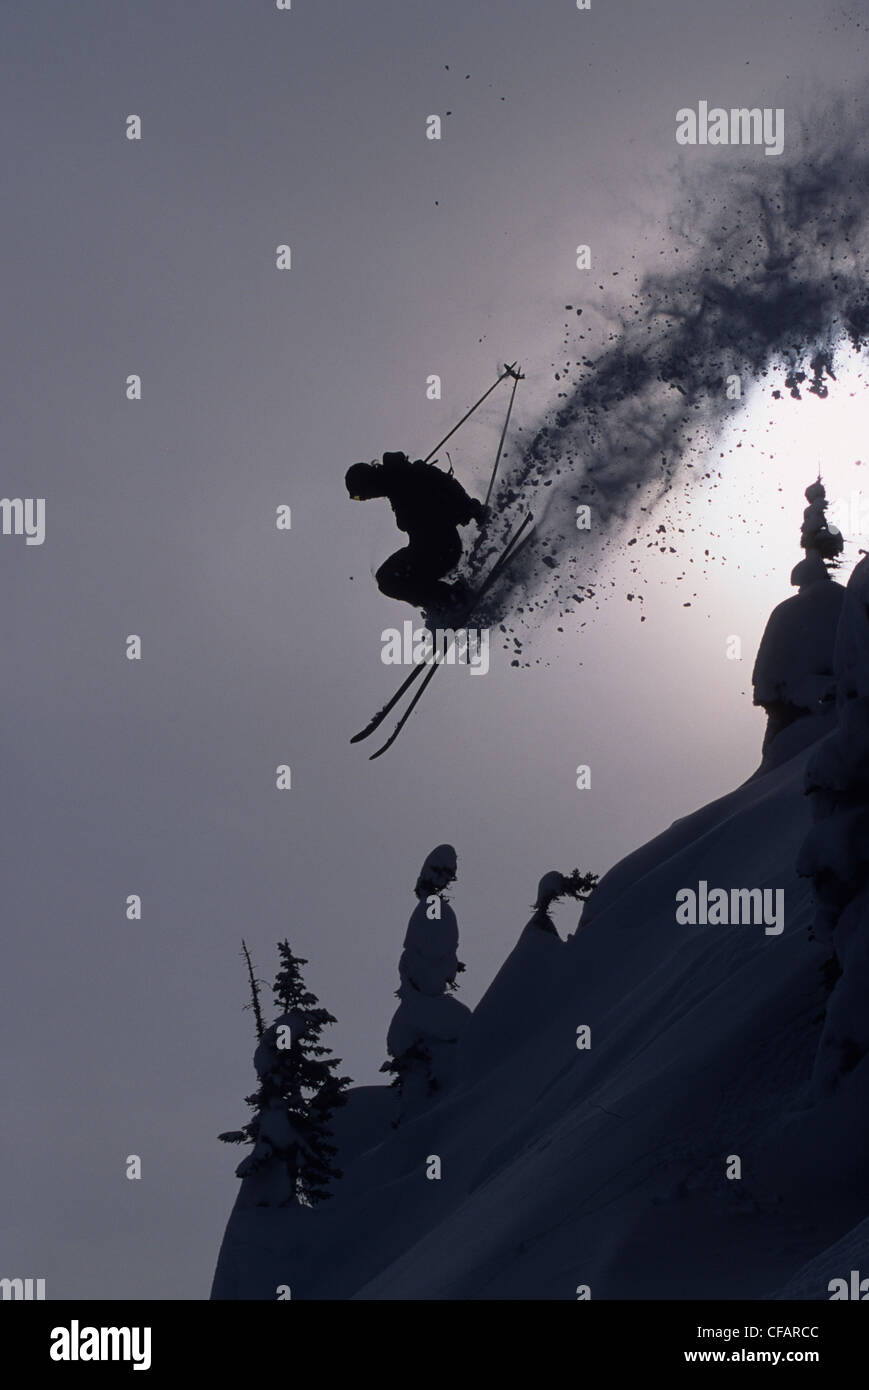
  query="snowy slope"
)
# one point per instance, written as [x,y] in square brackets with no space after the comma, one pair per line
[849,1253]
[606,1167]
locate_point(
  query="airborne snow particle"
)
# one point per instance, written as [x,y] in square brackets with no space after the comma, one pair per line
[749,290]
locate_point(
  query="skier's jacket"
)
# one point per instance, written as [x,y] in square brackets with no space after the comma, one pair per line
[424,498]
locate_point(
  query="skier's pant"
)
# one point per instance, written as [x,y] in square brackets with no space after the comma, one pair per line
[412,575]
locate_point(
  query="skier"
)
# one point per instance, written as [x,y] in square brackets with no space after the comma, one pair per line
[429,505]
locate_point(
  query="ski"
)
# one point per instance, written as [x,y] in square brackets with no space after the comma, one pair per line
[390,704]
[515,543]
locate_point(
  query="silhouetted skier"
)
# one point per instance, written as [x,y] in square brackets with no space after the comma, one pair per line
[429,505]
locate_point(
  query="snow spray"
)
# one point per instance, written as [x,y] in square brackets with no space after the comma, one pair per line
[768,275]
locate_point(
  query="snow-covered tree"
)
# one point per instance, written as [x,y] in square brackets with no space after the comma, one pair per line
[554,886]
[291,1159]
[428,1022]
[835,853]
[817,537]
[793,673]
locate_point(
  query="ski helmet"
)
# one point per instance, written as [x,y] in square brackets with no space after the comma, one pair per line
[361,480]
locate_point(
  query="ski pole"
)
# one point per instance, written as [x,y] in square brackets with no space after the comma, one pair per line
[508,371]
[517,377]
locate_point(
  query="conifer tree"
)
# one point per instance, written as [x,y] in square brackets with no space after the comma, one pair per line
[817,536]
[793,672]
[555,886]
[835,853]
[292,1156]
[428,1023]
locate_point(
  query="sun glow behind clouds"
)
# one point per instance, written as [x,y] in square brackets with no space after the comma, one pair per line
[751,506]
[674,599]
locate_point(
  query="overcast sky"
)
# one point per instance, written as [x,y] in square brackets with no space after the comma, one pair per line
[260,647]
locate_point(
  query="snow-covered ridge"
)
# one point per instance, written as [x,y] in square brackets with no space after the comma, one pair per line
[606,1167]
